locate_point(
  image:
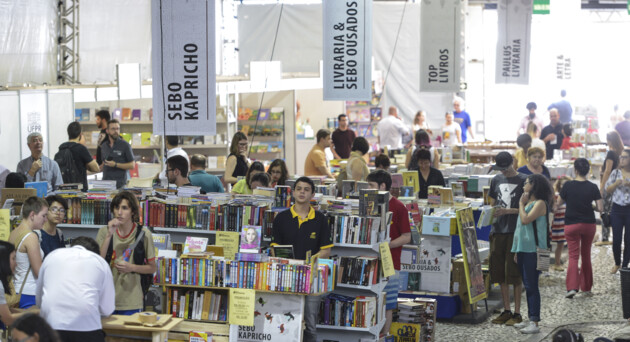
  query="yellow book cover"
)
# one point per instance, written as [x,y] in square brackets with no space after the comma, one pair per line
[199,336]
[410,178]
[408,332]
[205,311]
[145,138]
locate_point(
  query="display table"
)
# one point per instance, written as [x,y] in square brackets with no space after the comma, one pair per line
[115,328]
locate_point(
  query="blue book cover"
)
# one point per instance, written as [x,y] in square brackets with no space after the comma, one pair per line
[40,187]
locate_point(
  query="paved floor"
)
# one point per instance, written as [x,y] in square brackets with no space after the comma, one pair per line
[599,315]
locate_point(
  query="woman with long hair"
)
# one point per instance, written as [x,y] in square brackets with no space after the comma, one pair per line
[579,230]
[278,172]
[420,122]
[423,141]
[236,164]
[618,185]
[28,255]
[530,234]
[615,146]
[7,268]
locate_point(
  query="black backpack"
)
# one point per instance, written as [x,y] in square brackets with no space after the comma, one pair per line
[69,171]
[139,258]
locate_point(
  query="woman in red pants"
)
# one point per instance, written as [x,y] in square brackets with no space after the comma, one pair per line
[579,229]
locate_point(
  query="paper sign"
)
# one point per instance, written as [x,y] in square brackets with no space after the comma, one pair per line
[277,317]
[183,58]
[229,242]
[514,42]
[347,45]
[241,310]
[5,224]
[440,40]
[435,263]
[386,259]
[470,252]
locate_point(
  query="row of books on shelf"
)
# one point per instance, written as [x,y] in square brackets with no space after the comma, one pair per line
[347,311]
[357,229]
[120,114]
[249,114]
[197,304]
[262,130]
[357,270]
[278,274]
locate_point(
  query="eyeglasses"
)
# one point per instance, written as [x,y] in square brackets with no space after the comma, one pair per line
[57,210]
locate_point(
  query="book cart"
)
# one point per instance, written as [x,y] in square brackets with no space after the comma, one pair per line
[356,307]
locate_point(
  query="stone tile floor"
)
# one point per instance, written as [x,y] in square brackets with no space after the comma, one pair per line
[599,315]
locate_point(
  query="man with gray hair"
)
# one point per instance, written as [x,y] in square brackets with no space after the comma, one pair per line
[38,167]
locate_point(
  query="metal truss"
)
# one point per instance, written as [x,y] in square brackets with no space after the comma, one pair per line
[68,42]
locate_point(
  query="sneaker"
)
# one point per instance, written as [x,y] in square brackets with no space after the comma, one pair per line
[614,269]
[516,318]
[570,294]
[503,317]
[531,328]
[558,268]
[521,325]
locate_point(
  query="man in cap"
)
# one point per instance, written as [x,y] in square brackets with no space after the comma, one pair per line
[38,167]
[506,189]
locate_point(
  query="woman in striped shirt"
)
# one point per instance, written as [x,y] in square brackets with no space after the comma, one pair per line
[557,228]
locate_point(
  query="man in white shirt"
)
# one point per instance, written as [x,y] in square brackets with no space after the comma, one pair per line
[172,149]
[391,129]
[74,289]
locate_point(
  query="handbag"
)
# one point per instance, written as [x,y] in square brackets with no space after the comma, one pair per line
[13,300]
[543,255]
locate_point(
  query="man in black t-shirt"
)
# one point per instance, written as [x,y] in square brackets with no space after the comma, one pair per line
[552,134]
[82,158]
[307,230]
[102,117]
[506,189]
[342,138]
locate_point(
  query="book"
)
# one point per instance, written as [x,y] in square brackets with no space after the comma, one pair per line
[136,114]
[195,245]
[282,251]
[410,178]
[126,114]
[251,237]
[40,187]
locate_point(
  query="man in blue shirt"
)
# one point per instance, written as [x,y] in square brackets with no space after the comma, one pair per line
[564,108]
[199,177]
[118,157]
[462,118]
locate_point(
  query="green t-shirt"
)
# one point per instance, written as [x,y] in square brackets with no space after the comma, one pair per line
[127,285]
[241,188]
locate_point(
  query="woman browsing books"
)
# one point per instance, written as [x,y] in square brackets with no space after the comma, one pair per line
[255,177]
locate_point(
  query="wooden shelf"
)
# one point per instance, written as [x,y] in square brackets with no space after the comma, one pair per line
[184,230]
[125,122]
[227,288]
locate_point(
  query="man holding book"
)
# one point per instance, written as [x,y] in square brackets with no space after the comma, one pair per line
[399,234]
[307,231]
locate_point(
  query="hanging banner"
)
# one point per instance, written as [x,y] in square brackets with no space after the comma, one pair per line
[440,37]
[347,65]
[184,100]
[541,7]
[513,43]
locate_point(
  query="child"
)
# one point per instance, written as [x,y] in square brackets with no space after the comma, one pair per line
[566,142]
[557,228]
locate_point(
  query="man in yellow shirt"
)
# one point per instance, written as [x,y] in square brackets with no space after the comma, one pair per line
[316,163]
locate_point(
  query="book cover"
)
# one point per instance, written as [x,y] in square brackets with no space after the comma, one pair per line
[78,114]
[40,187]
[410,178]
[126,114]
[282,251]
[250,239]
[195,245]
[199,336]
[407,191]
[117,114]
[136,114]
[263,114]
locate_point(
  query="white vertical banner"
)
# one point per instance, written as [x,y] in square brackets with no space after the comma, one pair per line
[183,34]
[440,39]
[34,119]
[347,64]
[514,41]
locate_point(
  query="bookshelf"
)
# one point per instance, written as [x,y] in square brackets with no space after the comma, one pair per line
[359,280]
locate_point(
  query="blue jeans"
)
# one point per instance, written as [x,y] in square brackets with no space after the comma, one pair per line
[620,219]
[527,266]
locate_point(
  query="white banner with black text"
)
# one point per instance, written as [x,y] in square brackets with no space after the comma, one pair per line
[183,35]
[440,26]
[347,35]
[514,41]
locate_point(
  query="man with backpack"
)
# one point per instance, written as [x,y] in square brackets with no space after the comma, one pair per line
[74,159]
[37,167]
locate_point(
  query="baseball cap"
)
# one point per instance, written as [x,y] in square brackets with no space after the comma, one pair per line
[503,161]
